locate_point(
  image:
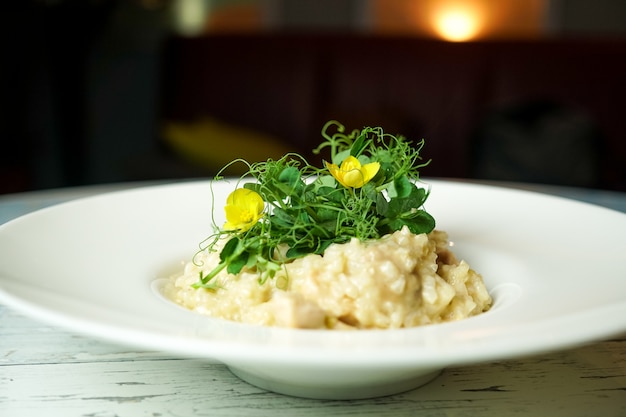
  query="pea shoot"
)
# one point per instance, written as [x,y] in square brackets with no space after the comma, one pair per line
[291,209]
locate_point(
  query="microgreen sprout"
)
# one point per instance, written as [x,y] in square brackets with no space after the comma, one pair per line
[291,209]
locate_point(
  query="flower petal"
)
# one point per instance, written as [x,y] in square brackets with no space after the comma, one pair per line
[351,174]
[243,209]
[350,163]
[353,178]
[369,171]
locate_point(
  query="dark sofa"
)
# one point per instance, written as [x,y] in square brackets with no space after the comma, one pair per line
[534,110]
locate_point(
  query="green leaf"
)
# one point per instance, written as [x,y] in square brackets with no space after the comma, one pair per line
[422,222]
[330,194]
[325,214]
[325,181]
[400,205]
[304,218]
[282,218]
[289,182]
[329,227]
[309,193]
[359,144]
[234,256]
[298,251]
[397,206]
[384,156]
[369,190]
[386,171]
[253,186]
[231,249]
[236,264]
[402,187]
[419,195]
[324,244]
[253,260]
[382,205]
[290,176]
[338,159]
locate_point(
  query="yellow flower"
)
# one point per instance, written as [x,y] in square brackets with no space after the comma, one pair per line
[352,174]
[243,209]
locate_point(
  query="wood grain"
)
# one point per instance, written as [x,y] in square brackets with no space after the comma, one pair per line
[45,371]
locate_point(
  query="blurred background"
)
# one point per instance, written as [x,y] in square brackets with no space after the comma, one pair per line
[102,91]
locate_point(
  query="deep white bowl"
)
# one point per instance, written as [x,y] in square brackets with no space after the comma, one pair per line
[554,267]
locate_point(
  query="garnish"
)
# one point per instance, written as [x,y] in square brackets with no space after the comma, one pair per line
[291,209]
[243,209]
[352,173]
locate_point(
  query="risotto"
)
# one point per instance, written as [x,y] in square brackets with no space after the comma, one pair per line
[348,245]
[401,280]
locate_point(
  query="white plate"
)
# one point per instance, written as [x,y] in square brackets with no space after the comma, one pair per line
[554,267]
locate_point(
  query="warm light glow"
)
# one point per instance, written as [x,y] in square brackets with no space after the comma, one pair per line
[189,16]
[461,20]
[457,24]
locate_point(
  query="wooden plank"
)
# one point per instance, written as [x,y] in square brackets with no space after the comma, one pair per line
[53,373]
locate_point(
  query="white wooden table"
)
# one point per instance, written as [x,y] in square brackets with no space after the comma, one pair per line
[46,371]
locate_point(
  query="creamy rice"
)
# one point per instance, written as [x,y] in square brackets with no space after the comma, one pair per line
[401,280]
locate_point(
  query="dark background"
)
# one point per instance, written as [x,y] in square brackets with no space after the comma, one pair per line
[85,87]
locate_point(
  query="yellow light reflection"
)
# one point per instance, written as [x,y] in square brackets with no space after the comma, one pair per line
[457,24]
